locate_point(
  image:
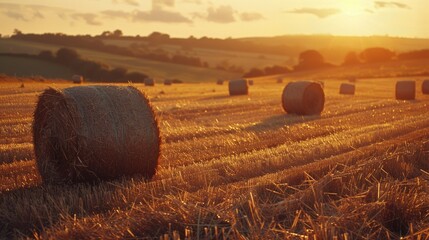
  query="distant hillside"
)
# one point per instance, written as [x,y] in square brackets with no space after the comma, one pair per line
[158,70]
[27,67]
[334,48]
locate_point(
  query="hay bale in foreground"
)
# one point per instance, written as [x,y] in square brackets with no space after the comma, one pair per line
[347,89]
[168,82]
[425,87]
[77,79]
[405,90]
[238,87]
[94,132]
[149,82]
[250,82]
[304,98]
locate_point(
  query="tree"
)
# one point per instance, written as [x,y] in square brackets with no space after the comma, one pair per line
[67,56]
[350,59]
[16,32]
[254,72]
[376,54]
[310,59]
[117,33]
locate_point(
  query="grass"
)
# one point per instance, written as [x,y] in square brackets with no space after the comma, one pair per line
[158,70]
[26,67]
[237,167]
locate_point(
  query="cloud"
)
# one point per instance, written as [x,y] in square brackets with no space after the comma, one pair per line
[116,14]
[159,15]
[381,4]
[159,4]
[89,18]
[222,14]
[318,12]
[15,15]
[193,1]
[250,16]
[129,2]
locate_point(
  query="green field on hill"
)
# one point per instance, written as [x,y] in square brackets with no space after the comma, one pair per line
[158,70]
[27,67]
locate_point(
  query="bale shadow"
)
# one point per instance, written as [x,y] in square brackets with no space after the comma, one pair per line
[279,121]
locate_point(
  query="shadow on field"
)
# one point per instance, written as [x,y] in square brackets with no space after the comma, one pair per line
[279,121]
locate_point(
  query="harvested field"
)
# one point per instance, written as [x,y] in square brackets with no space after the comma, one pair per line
[237,168]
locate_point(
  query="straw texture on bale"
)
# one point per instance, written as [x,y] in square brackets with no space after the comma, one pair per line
[250,82]
[91,133]
[405,90]
[167,82]
[78,79]
[304,98]
[149,82]
[238,87]
[347,88]
[425,87]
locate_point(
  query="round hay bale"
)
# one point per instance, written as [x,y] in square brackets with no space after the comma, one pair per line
[347,88]
[219,82]
[405,90]
[149,82]
[167,82]
[77,79]
[90,133]
[303,97]
[238,87]
[250,82]
[425,87]
[279,80]
[322,84]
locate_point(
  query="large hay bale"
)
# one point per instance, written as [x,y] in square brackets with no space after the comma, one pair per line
[167,82]
[149,82]
[303,97]
[405,90]
[238,87]
[77,79]
[347,88]
[425,87]
[94,132]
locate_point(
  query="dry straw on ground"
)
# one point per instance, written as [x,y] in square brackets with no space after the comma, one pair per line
[304,97]
[425,87]
[406,90]
[347,88]
[88,133]
[238,87]
[149,82]
[77,79]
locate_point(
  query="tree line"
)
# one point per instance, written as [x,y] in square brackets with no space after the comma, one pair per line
[312,59]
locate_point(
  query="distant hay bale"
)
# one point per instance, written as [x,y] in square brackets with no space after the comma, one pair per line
[238,87]
[168,82]
[303,97]
[149,82]
[425,87]
[405,90]
[279,80]
[219,82]
[347,89]
[250,82]
[77,79]
[90,133]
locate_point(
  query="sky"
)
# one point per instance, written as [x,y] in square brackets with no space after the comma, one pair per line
[218,18]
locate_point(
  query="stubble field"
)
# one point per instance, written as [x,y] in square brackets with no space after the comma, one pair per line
[237,168]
